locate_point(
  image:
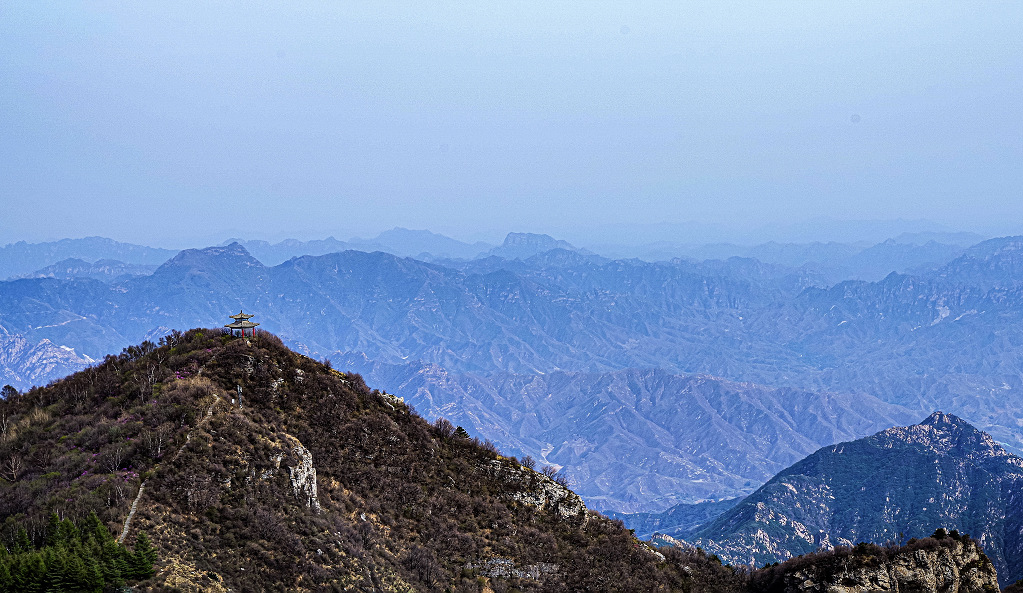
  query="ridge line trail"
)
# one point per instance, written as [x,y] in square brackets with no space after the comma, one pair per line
[142,487]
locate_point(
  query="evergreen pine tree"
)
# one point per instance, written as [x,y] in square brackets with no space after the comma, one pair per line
[94,527]
[141,563]
[113,564]
[67,532]
[94,574]
[6,580]
[53,530]
[21,542]
[31,575]
[56,579]
[76,573]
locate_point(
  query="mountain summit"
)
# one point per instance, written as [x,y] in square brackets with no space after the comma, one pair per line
[899,483]
[526,245]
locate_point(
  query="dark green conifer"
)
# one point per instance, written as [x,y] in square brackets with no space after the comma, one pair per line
[53,530]
[141,562]
[21,542]
[28,573]
[6,581]
[94,527]
[56,579]
[113,563]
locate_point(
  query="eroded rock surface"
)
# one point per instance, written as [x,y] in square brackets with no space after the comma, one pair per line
[303,477]
[955,567]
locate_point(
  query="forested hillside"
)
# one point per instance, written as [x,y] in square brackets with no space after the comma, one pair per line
[252,468]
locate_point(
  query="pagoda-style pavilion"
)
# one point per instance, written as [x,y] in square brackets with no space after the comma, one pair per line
[242,323]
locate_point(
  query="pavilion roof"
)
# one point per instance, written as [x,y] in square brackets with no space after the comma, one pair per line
[241,325]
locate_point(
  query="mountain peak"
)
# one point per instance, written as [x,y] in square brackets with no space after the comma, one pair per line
[526,245]
[941,420]
[233,253]
[909,480]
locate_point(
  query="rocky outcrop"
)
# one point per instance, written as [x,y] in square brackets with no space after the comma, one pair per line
[948,567]
[537,489]
[549,495]
[506,567]
[303,477]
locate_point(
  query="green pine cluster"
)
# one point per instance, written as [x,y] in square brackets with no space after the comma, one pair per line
[73,558]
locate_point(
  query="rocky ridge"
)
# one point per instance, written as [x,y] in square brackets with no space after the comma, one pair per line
[900,483]
[937,566]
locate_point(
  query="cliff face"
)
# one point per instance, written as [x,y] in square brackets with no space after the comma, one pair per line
[948,567]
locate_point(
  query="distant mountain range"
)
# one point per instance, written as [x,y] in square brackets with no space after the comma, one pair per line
[398,241]
[832,262]
[623,336]
[679,522]
[107,270]
[24,362]
[898,484]
[21,258]
[947,339]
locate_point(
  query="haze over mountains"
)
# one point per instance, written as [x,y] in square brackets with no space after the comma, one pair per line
[857,259]
[624,350]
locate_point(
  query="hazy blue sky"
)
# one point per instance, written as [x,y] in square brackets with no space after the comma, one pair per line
[172,122]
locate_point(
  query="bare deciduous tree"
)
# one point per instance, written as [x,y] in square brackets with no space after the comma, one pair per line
[113,460]
[156,441]
[145,379]
[13,467]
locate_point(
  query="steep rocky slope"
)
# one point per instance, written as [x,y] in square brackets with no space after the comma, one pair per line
[900,483]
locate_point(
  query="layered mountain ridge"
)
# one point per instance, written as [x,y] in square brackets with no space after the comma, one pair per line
[253,468]
[916,342]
